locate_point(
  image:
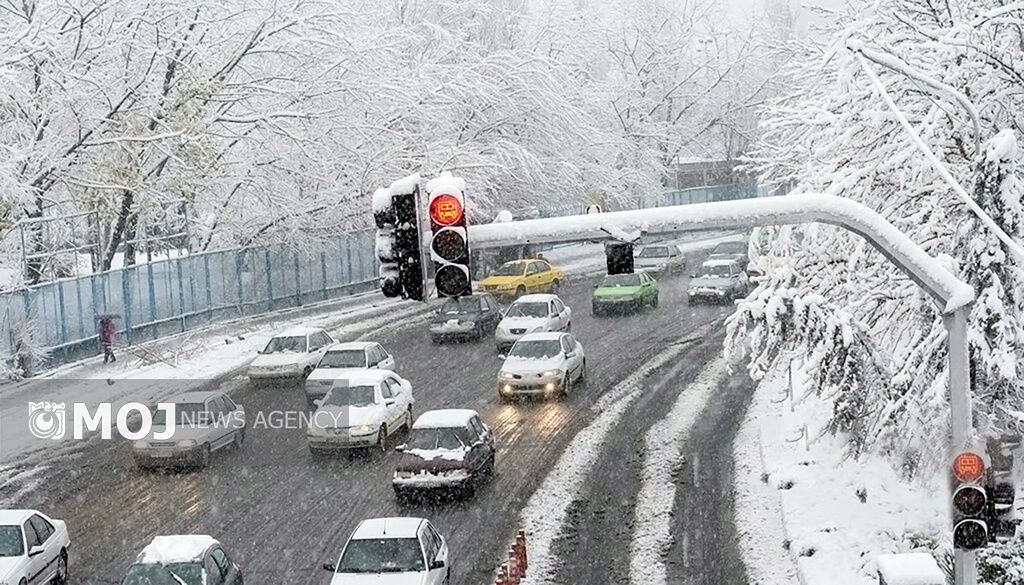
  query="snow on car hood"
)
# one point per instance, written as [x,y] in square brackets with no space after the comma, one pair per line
[7,564]
[528,323]
[278,359]
[378,578]
[531,365]
[347,416]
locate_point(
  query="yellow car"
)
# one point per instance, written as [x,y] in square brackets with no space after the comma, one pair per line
[519,277]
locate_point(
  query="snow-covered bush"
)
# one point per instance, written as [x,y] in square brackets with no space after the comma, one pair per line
[1000,563]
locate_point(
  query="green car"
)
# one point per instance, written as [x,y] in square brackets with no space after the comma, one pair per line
[619,292]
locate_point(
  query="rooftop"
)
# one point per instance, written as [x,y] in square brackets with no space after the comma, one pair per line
[444,418]
[177,548]
[387,528]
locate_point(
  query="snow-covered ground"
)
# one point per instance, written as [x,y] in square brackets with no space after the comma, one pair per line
[805,510]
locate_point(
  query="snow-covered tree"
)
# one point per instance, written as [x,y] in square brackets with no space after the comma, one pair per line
[833,133]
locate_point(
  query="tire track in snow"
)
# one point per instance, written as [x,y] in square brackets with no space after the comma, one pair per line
[656,501]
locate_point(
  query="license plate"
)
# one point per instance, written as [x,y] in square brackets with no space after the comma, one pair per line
[161,454]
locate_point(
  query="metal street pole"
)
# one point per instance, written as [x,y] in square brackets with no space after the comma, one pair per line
[965,566]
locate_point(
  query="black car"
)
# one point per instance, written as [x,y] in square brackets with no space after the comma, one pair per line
[471,317]
[448,449]
[188,559]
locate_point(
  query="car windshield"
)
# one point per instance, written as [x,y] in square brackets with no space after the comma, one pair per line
[157,574]
[461,305]
[654,252]
[715,270]
[730,248]
[11,544]
[184,414]
[382,555]
[621,280]
[349,396]
[290,344]
[430,439]
[343,358]
[511,269]
[536,349]
[527,310]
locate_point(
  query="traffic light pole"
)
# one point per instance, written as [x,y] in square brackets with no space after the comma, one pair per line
[965,567]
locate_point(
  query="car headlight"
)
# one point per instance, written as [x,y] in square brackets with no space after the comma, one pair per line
[362,430]
[187,443]
[506,375]
[140,444]
[468,323]
[553,374]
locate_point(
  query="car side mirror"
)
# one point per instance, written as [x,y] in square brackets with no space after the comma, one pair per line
[570,354]
[596,285]
[501,356]
[437,564]
[401,448]
[330,567]
[693,275]
[318,402]
[36,550]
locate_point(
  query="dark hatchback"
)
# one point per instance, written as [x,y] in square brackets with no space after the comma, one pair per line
[469,317]
[448,450]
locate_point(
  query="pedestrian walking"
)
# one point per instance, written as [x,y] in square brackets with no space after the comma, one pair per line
[107,333]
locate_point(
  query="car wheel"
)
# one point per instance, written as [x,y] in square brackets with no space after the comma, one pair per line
[520,291]
[408,419]
[239,438]
[478,333]
[435,340]
[554,287]
[654,302]
[566,386]
[62,568]
[307,371]
[583,373]
[382,438]
[489,467]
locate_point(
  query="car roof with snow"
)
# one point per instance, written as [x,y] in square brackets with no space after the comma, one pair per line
[194,397]
[394,527]
[176,548]
[299,331]
[536,298]
[542,336]
[444,418]
[17,516]
[362,376]
[341,346]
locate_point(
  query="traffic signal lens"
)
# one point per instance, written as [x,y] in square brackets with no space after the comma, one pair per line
[970,534]
[969,500]
[450,245]
[445,210]
[968,467]
[452,280]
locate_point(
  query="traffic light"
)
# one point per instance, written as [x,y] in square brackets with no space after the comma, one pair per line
[449,242]
[395,212]
[970,502]
[619,257]
[1001,517]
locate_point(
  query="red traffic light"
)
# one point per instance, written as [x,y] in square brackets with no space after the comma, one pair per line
[968,467]
[445,210]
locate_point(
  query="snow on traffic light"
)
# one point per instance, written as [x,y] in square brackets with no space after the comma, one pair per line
[395,211]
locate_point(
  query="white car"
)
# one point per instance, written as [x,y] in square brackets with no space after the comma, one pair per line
[341,358]
[292,354]
[532,314]
[659,258]
[183,559]
[33,548]
[204,422]
[542,364]
[393,551]
[361,410]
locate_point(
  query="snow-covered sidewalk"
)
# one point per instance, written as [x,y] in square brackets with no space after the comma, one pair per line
[806,511]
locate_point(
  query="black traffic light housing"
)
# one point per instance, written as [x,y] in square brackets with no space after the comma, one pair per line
[619,257]
[970,502]
[449,241]
[395,211]
[1000,515]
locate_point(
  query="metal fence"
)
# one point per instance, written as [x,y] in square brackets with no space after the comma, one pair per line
[169,296]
